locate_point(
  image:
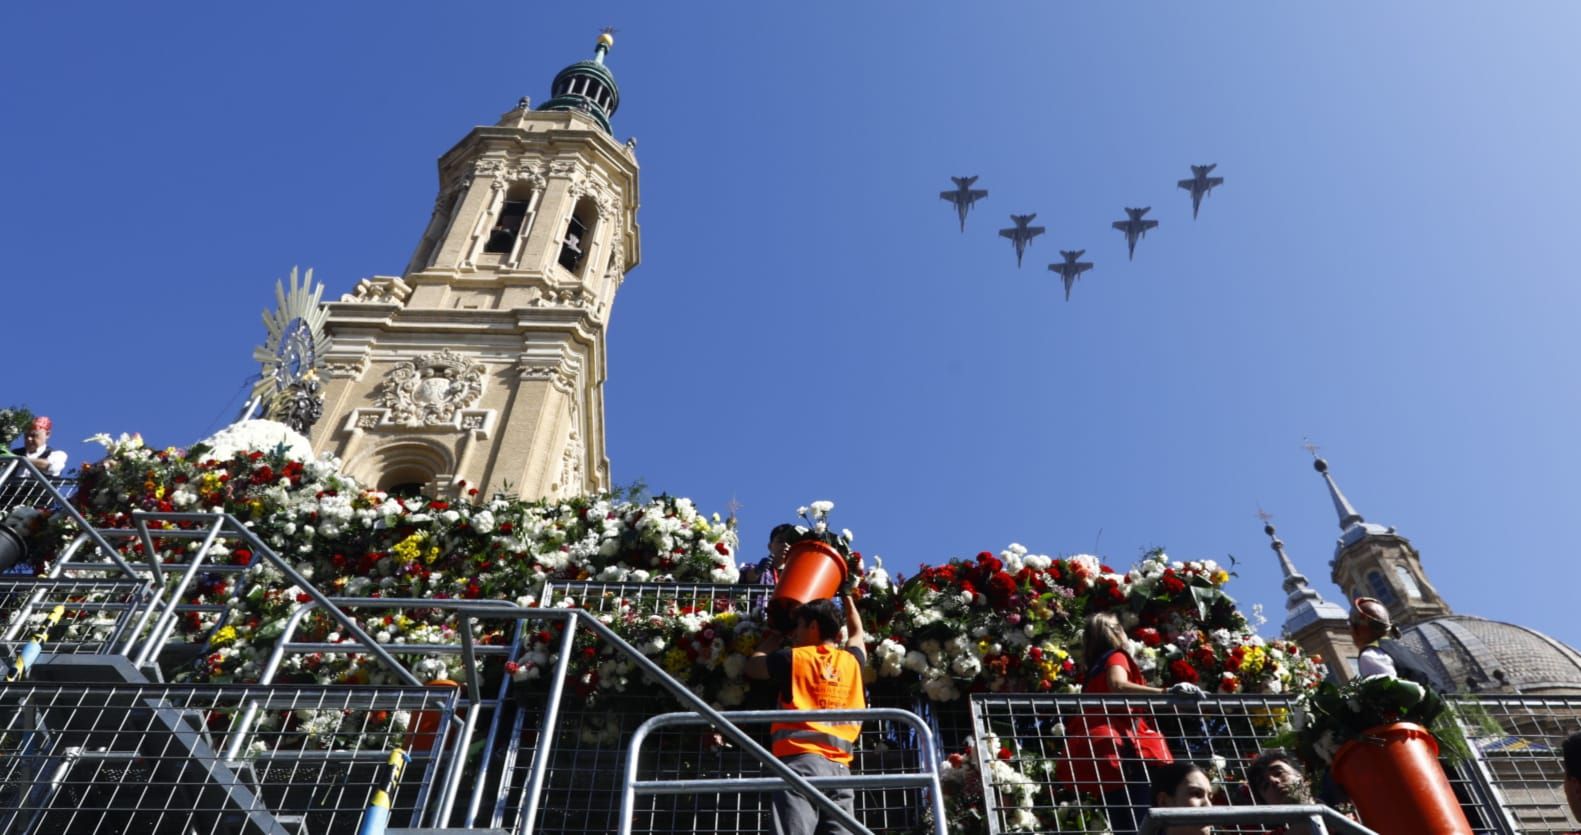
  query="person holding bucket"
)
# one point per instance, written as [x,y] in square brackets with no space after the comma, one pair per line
[815,672]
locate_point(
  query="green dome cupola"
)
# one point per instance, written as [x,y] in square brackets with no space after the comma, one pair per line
[587,86]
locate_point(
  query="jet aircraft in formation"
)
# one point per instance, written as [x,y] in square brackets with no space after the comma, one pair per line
[1070,269]
[1135,227]
[1200,184]
[963,196]
[1021,234]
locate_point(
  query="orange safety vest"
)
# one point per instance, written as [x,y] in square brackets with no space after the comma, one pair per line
[821,678]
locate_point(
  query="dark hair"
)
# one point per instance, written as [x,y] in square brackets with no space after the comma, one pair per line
[1572,750]
[1167,778]
[781,531]
[822,613]
[1258,770]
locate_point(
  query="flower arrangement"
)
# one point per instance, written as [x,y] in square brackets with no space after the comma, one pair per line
[817,529]
[1012,622]
[352,541]
[14,420]
[1022,780]
[1328,717]
[1004,622]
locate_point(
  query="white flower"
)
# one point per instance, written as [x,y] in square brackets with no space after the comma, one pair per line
[822,507]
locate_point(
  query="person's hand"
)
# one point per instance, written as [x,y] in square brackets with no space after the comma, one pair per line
[1186,691]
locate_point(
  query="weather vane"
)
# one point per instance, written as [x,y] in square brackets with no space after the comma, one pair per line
[1311,447]
[1264,515]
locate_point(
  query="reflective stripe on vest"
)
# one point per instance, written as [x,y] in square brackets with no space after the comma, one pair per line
[821,678]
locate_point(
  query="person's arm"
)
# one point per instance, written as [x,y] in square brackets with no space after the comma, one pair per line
[54,463]
[854,636]
[1120,682]
[758,663]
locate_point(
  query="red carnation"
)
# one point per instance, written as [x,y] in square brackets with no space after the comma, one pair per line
[1149,636]
[1180,671]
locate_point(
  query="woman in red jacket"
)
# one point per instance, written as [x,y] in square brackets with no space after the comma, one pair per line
[1109,745]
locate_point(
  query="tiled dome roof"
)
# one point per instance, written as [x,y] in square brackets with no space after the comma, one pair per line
[1465,653]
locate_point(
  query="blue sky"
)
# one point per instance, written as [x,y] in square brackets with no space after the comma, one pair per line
[1387,270]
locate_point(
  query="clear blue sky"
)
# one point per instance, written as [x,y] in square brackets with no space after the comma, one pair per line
[1388,269]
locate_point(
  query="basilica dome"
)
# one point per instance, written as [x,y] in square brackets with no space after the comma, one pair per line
[1470,654]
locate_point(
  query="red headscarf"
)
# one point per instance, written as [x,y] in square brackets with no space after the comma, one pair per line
[44,423]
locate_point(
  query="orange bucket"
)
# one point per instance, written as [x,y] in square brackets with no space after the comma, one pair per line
[426,723]
[1393,776]
[813,570]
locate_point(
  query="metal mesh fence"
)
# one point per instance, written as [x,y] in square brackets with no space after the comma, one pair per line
[92,759]
[1517,742]
[22,490]
[582,786]
[1071,763]
[96,614]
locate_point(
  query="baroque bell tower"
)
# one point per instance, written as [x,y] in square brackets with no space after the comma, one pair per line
[484,363]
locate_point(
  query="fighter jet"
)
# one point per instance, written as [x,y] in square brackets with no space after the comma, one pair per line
[1070,269]
[1021,234]
[1135,227]
[1200,184]
[963,196]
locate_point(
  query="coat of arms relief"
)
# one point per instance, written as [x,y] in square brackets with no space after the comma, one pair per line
[432,389]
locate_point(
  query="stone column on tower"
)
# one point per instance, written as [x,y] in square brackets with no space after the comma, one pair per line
[485,362]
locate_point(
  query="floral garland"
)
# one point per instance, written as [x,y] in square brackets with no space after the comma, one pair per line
[1006,622]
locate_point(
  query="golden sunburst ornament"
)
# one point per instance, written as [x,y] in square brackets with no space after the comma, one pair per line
[296,339]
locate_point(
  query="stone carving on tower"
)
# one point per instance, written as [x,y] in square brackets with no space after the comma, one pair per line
[484,362]
[432,390]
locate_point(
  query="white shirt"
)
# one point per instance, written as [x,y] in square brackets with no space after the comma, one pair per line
[1375,662]
[55,459]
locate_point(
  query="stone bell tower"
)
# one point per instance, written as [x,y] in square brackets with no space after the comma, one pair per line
[1373,560]
[484,363]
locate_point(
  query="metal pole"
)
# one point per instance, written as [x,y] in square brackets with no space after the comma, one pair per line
[167,617]
[545,746]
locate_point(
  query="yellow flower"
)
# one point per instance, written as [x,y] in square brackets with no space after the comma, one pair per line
[1220,577]
[728,619]
[676,662]
[224,637]
[410,549]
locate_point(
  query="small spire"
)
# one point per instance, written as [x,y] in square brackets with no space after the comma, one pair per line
[1294,580]
[606,39]
[1347,514]
[1303,604]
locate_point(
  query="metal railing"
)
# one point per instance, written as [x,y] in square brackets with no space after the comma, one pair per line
[1062,755]
[147,758]
[925,774]
[1319,819]
[513,752]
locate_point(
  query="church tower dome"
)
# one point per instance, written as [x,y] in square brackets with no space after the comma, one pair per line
[588,86]
[1372,560]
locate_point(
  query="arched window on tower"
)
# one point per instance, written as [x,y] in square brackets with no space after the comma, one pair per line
[1408,582]
[578,236]
[1380,588]
[512,222]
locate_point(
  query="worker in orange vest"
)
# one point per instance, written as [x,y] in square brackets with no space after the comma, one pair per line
[815,673]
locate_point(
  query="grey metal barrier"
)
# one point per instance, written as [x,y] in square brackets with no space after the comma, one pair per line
[1319,819]
[147,758]
[925,774]
[1060,763]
